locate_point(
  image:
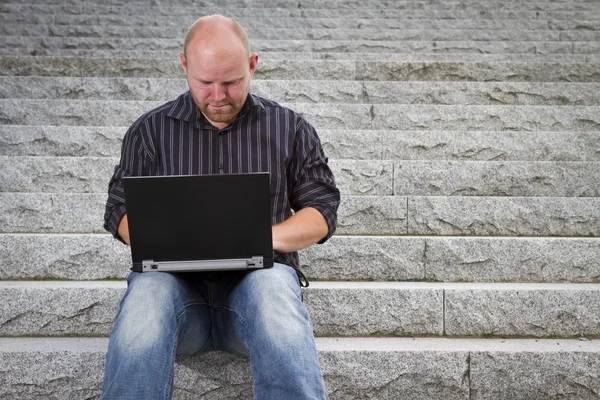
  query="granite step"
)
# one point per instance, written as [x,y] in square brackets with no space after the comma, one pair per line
[358,215]
[257,23]
[347,309]
[98,141]
[49,45]
[91,175]
[353,368]
[340,116]
[313,69]
[84,213]
[255,33]
[166,55]
[348,4]
[358,258]
[353,177]
[160,11]
[305,91]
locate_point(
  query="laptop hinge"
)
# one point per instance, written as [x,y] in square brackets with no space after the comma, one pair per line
[203,265]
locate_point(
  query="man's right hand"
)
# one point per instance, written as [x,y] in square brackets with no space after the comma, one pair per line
[123,230]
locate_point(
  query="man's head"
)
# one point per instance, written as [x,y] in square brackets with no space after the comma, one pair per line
[218,65]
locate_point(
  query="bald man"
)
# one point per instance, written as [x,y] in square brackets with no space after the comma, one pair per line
[219,127]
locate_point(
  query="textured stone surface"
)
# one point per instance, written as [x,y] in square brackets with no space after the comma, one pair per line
[527,375]
[61,141]
[490,146]
[87,257]
[66,256]
[51,212]
[338,144]
[84,213]
[493,178]
[325,116]
[352,369]
[381,309]
[299,33]
[469,71]
[50,45]
[350,258]
[494,259]
[522,310]
[58,308]
[372,215]
[504,216]
[491,118]
[449,93]
[91,174]
[165,68]
[337,309]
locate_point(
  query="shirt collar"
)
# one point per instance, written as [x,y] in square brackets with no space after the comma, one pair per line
[185,109]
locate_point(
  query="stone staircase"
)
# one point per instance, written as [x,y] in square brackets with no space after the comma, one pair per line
[465,139]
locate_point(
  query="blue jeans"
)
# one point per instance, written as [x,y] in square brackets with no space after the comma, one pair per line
[259,314]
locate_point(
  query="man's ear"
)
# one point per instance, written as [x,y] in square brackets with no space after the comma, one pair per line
[183,61]
[253,62]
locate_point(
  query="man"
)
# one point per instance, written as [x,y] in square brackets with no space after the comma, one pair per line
[219,127]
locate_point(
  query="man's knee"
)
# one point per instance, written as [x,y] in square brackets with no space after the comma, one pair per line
[147,311]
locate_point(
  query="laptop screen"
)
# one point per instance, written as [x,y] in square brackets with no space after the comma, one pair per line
[199,217]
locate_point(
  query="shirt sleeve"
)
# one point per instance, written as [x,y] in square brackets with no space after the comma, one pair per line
[135,161]
[312,183]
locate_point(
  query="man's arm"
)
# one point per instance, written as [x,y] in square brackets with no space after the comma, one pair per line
[304,228]
[123,230]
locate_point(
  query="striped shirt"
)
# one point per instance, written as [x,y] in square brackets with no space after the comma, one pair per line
[176,139]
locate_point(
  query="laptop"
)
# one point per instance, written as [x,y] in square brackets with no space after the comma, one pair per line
[199,222]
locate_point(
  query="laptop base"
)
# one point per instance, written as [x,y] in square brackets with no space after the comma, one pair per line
[256,262]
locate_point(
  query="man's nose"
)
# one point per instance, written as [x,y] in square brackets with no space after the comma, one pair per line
[219,92]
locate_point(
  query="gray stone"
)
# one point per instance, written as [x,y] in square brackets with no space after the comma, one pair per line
[346,309]
[549,374]
[372,215]
[493,178]
[492,118]
[443,14]
[476,93]
[504,216]
[60,141]
[50,212]
[91,175]
[352,369]
[468,71]
[58,308]
[56,174]
[490,146]
[447,93]
[369,177]
[349,258]
[165,68]
[348,145]
[380,309]
[61,257]
[157,11]
[534,310]
[494,259]
[428,58]
[84,213]
[301,32]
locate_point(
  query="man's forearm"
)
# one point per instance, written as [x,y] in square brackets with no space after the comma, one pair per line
[123,229]
[304,228]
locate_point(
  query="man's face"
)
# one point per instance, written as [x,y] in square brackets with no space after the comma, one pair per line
[219,81]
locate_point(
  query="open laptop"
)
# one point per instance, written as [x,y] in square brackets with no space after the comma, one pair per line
[199,222]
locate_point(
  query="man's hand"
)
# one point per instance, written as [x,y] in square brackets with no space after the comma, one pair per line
[123,230]
[302,229]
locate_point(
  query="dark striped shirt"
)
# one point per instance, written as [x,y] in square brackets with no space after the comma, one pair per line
[176,139]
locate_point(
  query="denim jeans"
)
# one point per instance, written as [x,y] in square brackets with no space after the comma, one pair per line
[259,314]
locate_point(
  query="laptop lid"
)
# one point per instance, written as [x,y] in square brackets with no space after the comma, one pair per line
[199,222]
